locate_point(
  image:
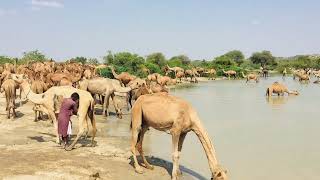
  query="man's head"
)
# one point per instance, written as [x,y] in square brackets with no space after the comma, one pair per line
[75,97]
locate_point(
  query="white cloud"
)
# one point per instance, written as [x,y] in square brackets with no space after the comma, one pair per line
[47,3]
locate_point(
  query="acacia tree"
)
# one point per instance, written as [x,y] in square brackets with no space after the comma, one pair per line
[35,55]
[263,58]
[236,56]
[81,60]
[156,58]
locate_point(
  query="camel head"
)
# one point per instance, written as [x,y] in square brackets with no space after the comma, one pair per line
[219,174]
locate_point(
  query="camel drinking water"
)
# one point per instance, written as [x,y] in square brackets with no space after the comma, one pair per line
[171,114]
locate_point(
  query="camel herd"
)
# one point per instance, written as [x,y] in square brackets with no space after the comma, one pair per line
[45,84]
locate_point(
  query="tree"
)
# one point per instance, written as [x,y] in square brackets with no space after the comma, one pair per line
[108,59]
[93,61]
[236,56]
[263,58]
[81,60]
[156,58]
[180,61]
[36,56]
[5,59]
[125,61]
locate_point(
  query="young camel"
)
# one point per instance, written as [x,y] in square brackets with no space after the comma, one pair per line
[251,76]
[177,117]
[280,89]
[9,88]
[46,105]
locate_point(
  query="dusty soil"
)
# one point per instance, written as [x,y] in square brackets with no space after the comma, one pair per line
[28,150]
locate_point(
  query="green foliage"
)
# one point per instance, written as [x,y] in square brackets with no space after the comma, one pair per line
[154,68]
[81,60]
[263,58]
[180,61]
[33,56]
[156,58]
[93,61]
[5,59]
[236,56]
[108,59]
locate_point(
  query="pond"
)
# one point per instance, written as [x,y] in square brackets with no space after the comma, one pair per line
[255,137]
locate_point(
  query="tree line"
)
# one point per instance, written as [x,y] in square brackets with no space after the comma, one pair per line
[155,62]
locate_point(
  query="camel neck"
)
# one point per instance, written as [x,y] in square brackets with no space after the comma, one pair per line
[30,95]
[207,146]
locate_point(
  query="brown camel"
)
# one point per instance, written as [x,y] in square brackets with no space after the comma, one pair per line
[65,82]
[304,77]
[176,117]
[153,77]
[280,89]
[230,73]
[123,77]
[46,104]
[163,80]
[9,88]
[180,75]
[250,76]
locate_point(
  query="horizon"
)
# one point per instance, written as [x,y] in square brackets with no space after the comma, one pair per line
[64,29]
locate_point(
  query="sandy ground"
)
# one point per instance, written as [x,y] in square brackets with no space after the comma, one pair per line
[28,151]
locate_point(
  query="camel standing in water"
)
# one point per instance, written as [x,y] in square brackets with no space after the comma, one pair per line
[230,73]
[250,76]
[177,117]
[280,89]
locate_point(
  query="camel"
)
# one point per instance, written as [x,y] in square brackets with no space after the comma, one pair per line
[153,77]
[163,80]
[200,70]
[230,73]
[176,117]
[280,89]
[9,87]
[87,74]
[190,73]
[265,72]
[284,72]
[211,73]
[38,87]
[65,82]
[250,76]
[180,75]
[304,77]
[106,88]
[99,67]
[124,77]
[46,104]
[174,69]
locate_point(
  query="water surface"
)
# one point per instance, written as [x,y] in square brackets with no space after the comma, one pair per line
[255,137]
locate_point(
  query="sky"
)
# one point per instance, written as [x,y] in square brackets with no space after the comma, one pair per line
[200,29]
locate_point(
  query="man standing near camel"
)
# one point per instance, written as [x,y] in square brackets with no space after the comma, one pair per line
[68,108]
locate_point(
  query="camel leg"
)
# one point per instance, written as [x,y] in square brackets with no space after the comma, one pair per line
[175,155]
[139,147]
[181,140]
[135,130]
[105,106]
[116,107]
[82,130]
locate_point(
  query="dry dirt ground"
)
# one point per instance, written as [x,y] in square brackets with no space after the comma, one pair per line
[28,151]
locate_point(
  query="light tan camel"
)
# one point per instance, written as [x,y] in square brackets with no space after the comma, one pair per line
[163,80]
[174,69]
[280,89]
[304,77]
[176,117]
[230,73]
[123,77]
[9,88]
[106,88]
[46,102]
[65,82]
[190,73]
[211,73]
[251,76]
[38,87]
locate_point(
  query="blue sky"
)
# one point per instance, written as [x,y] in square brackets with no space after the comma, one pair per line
[198,28]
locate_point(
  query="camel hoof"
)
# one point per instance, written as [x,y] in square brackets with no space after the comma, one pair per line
[139,170]
[150,167]
[58,141]
[69,148]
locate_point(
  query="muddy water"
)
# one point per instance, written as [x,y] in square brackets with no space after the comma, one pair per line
[255,137]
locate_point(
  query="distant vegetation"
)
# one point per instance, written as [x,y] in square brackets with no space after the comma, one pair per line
[155,62]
